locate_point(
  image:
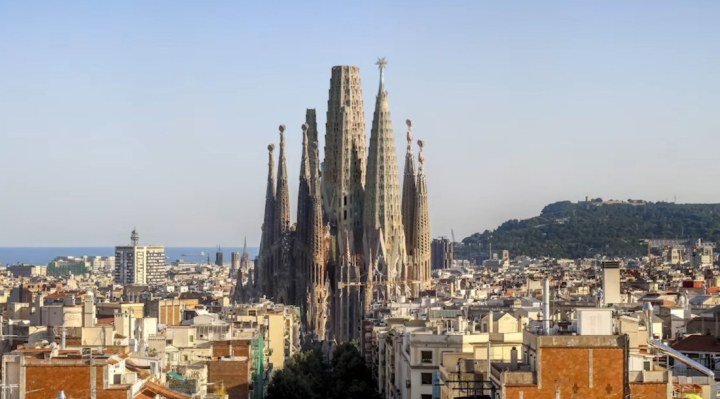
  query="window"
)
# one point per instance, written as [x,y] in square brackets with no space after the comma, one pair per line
[426,356]
[426,378]
[426,396]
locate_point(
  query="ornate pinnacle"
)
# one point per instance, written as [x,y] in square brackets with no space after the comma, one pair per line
[271,148]
[421,156]
[408,122]
[282,138]
[304,128]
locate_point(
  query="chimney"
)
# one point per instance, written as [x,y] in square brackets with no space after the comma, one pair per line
[648,308]
[546,306]
[64,332]
[513,358]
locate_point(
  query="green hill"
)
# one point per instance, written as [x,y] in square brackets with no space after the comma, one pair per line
[584,229]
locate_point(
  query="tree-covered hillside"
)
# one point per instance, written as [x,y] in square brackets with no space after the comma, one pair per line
[584,229]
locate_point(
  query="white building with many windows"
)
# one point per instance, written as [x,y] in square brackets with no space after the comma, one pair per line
[140,264]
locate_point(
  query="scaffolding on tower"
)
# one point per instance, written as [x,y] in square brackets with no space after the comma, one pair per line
[258,374]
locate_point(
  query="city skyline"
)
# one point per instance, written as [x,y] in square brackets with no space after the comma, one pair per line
[156,116]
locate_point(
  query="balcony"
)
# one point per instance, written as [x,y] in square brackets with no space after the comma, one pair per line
[645,376]
[521,375]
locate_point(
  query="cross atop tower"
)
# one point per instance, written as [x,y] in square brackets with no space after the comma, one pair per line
[381,63]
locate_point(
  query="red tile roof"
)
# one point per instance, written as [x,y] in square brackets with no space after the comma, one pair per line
[697,343]
[163,391]
[688,388]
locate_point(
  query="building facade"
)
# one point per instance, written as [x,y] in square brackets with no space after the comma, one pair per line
[442,253]
[140,264]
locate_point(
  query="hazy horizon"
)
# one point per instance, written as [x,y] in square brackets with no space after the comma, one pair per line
[157,116]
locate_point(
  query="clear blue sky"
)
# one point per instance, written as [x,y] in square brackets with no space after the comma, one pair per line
[157,114]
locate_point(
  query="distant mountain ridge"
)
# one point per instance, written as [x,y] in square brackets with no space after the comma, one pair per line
[583,229]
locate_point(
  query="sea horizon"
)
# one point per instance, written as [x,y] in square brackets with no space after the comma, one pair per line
[42,255]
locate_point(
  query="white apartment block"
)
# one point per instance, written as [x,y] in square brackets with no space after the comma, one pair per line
[140,265]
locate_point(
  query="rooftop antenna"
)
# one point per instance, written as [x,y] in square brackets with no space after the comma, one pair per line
[134,237]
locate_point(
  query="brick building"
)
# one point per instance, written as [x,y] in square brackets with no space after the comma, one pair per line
[589,366]
[43,373]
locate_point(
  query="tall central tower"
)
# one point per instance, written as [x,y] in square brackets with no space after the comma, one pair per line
[384,235]
[343,171]
[343,190]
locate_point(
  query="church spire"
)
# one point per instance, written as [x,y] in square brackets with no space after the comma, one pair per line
[282,208]
[381,63]
[316,225]
[283,271]
[382,215]
[317,309]
[312,137]
[263,269]
[245,254]
[303,213]
[422,257]
[269,218]
[409,192]
[305,159]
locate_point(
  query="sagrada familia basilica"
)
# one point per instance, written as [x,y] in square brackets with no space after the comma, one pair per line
[358,239]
